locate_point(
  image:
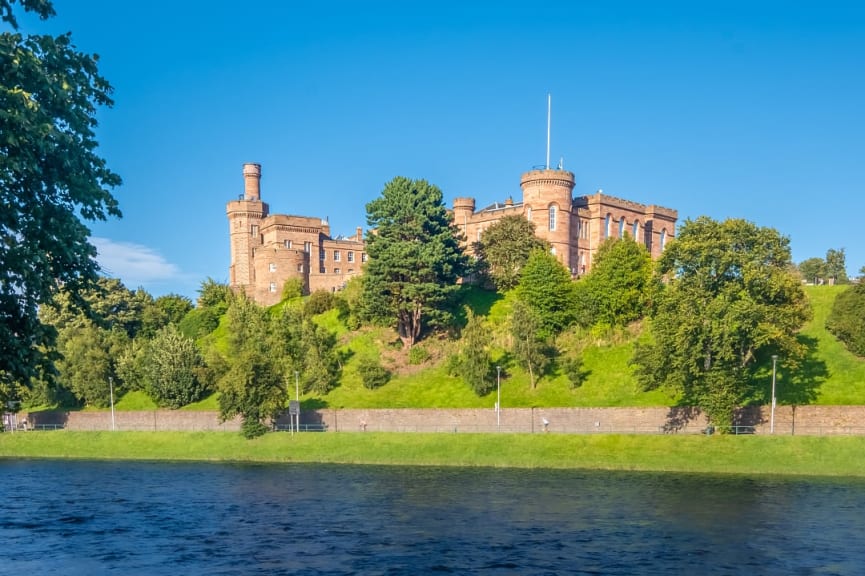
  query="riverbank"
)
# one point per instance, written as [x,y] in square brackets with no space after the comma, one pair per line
[788,455]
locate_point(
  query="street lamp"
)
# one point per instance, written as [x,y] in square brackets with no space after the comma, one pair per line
[772,417]
[111,392]
[498,397]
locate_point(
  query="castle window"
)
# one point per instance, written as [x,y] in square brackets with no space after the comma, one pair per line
[607,221]
[351,270]
[272,267]
[350,256]
[322,270]
[363,256]
[636,230]
[307,247]
[529,213]
[253,231]
[622,227]
[553,250]
[273,286]
[552,217]
[300,267]
[322,254]
[336,256]
[337,271]
[663,238]
[287,244]
[585,229]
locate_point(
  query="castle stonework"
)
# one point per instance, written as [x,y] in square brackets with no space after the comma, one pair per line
[268,250]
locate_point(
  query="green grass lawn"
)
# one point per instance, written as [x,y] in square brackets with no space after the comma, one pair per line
[787,455]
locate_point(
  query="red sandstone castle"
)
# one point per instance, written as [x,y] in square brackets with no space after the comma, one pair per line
[267,250]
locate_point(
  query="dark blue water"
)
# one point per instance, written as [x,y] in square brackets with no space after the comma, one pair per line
[93,518]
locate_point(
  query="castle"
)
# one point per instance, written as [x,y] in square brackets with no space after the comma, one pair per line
[267,250]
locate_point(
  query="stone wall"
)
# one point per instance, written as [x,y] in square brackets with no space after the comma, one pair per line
[800,420]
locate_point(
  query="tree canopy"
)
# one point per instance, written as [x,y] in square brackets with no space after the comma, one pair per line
[731,301]
[504,249]
[546,286]
[415,257]
[51,180]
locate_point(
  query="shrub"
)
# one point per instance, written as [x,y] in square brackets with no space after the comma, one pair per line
[373,374]
[418,355]
[319,302]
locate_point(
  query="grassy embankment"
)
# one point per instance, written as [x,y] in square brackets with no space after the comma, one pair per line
[783,455]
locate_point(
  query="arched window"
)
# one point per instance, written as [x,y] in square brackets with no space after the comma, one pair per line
[636,230]
[663,238]
[622,227]
[607,223]
[529,213]
[553,250]
[552,217]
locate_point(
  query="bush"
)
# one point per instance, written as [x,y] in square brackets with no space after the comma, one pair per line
[572,366]
[847,319]
[373,374]
[319,302]
[418,355]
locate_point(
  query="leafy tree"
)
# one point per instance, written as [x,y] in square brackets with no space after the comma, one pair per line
[836,266]
[475,362]
[321,365]
[318,302]
[87,362]
[504,249]
[253,385]
[546,286]
[51,180]
[730,302]
[213,294]
[572,366]
[617,290]
[293,288]
[167,309]
[847,319]
[415,258]
[173,369]
[813,270]
[529,346]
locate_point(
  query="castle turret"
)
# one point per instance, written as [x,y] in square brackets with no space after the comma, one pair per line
[244,225]
[463,210]
[547,201]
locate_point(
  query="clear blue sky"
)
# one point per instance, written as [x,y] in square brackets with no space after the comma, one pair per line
[750,110]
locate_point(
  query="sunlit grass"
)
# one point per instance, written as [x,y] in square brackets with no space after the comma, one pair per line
[800,455]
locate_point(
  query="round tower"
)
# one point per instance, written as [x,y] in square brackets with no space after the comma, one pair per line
[252,181]
[463,210]
[548,203]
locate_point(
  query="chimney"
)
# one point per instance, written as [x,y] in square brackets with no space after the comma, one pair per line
[359,233]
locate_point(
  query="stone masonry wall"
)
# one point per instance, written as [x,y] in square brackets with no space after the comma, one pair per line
[799,420]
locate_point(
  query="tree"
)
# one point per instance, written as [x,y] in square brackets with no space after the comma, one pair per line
[474,363]
[415,258]
[529,345]
[51,181]
[617,290]
[731,301]
[173,369]
[813,270]
[546,286]
[836,266]
[253,386]
[847,319]
[504,249]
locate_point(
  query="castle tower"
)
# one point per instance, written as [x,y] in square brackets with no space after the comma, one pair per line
[463,210]
[244,225]
[548,204]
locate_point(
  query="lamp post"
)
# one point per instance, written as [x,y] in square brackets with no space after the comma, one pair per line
[772,417]
[297,397]
[498,398]
[111,392]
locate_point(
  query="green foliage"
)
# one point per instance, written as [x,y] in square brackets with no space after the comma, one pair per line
[530,348]
[475,362]
[847,319]
[415,258]
[836,266]
[173,369]
[731,300]
[293,288]
[87,363]
[131,365]
[213,294]
[618,289]
[319,302]
[418,355]
[504,249]
[168,309]
[573,368]
[51,181]
[546,286]
[199,322]
[253,385]
[813,270]
[372,373]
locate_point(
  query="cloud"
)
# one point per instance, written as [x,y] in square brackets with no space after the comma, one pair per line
[135,265]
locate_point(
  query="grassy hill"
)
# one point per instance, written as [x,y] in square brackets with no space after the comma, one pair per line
[831,375]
